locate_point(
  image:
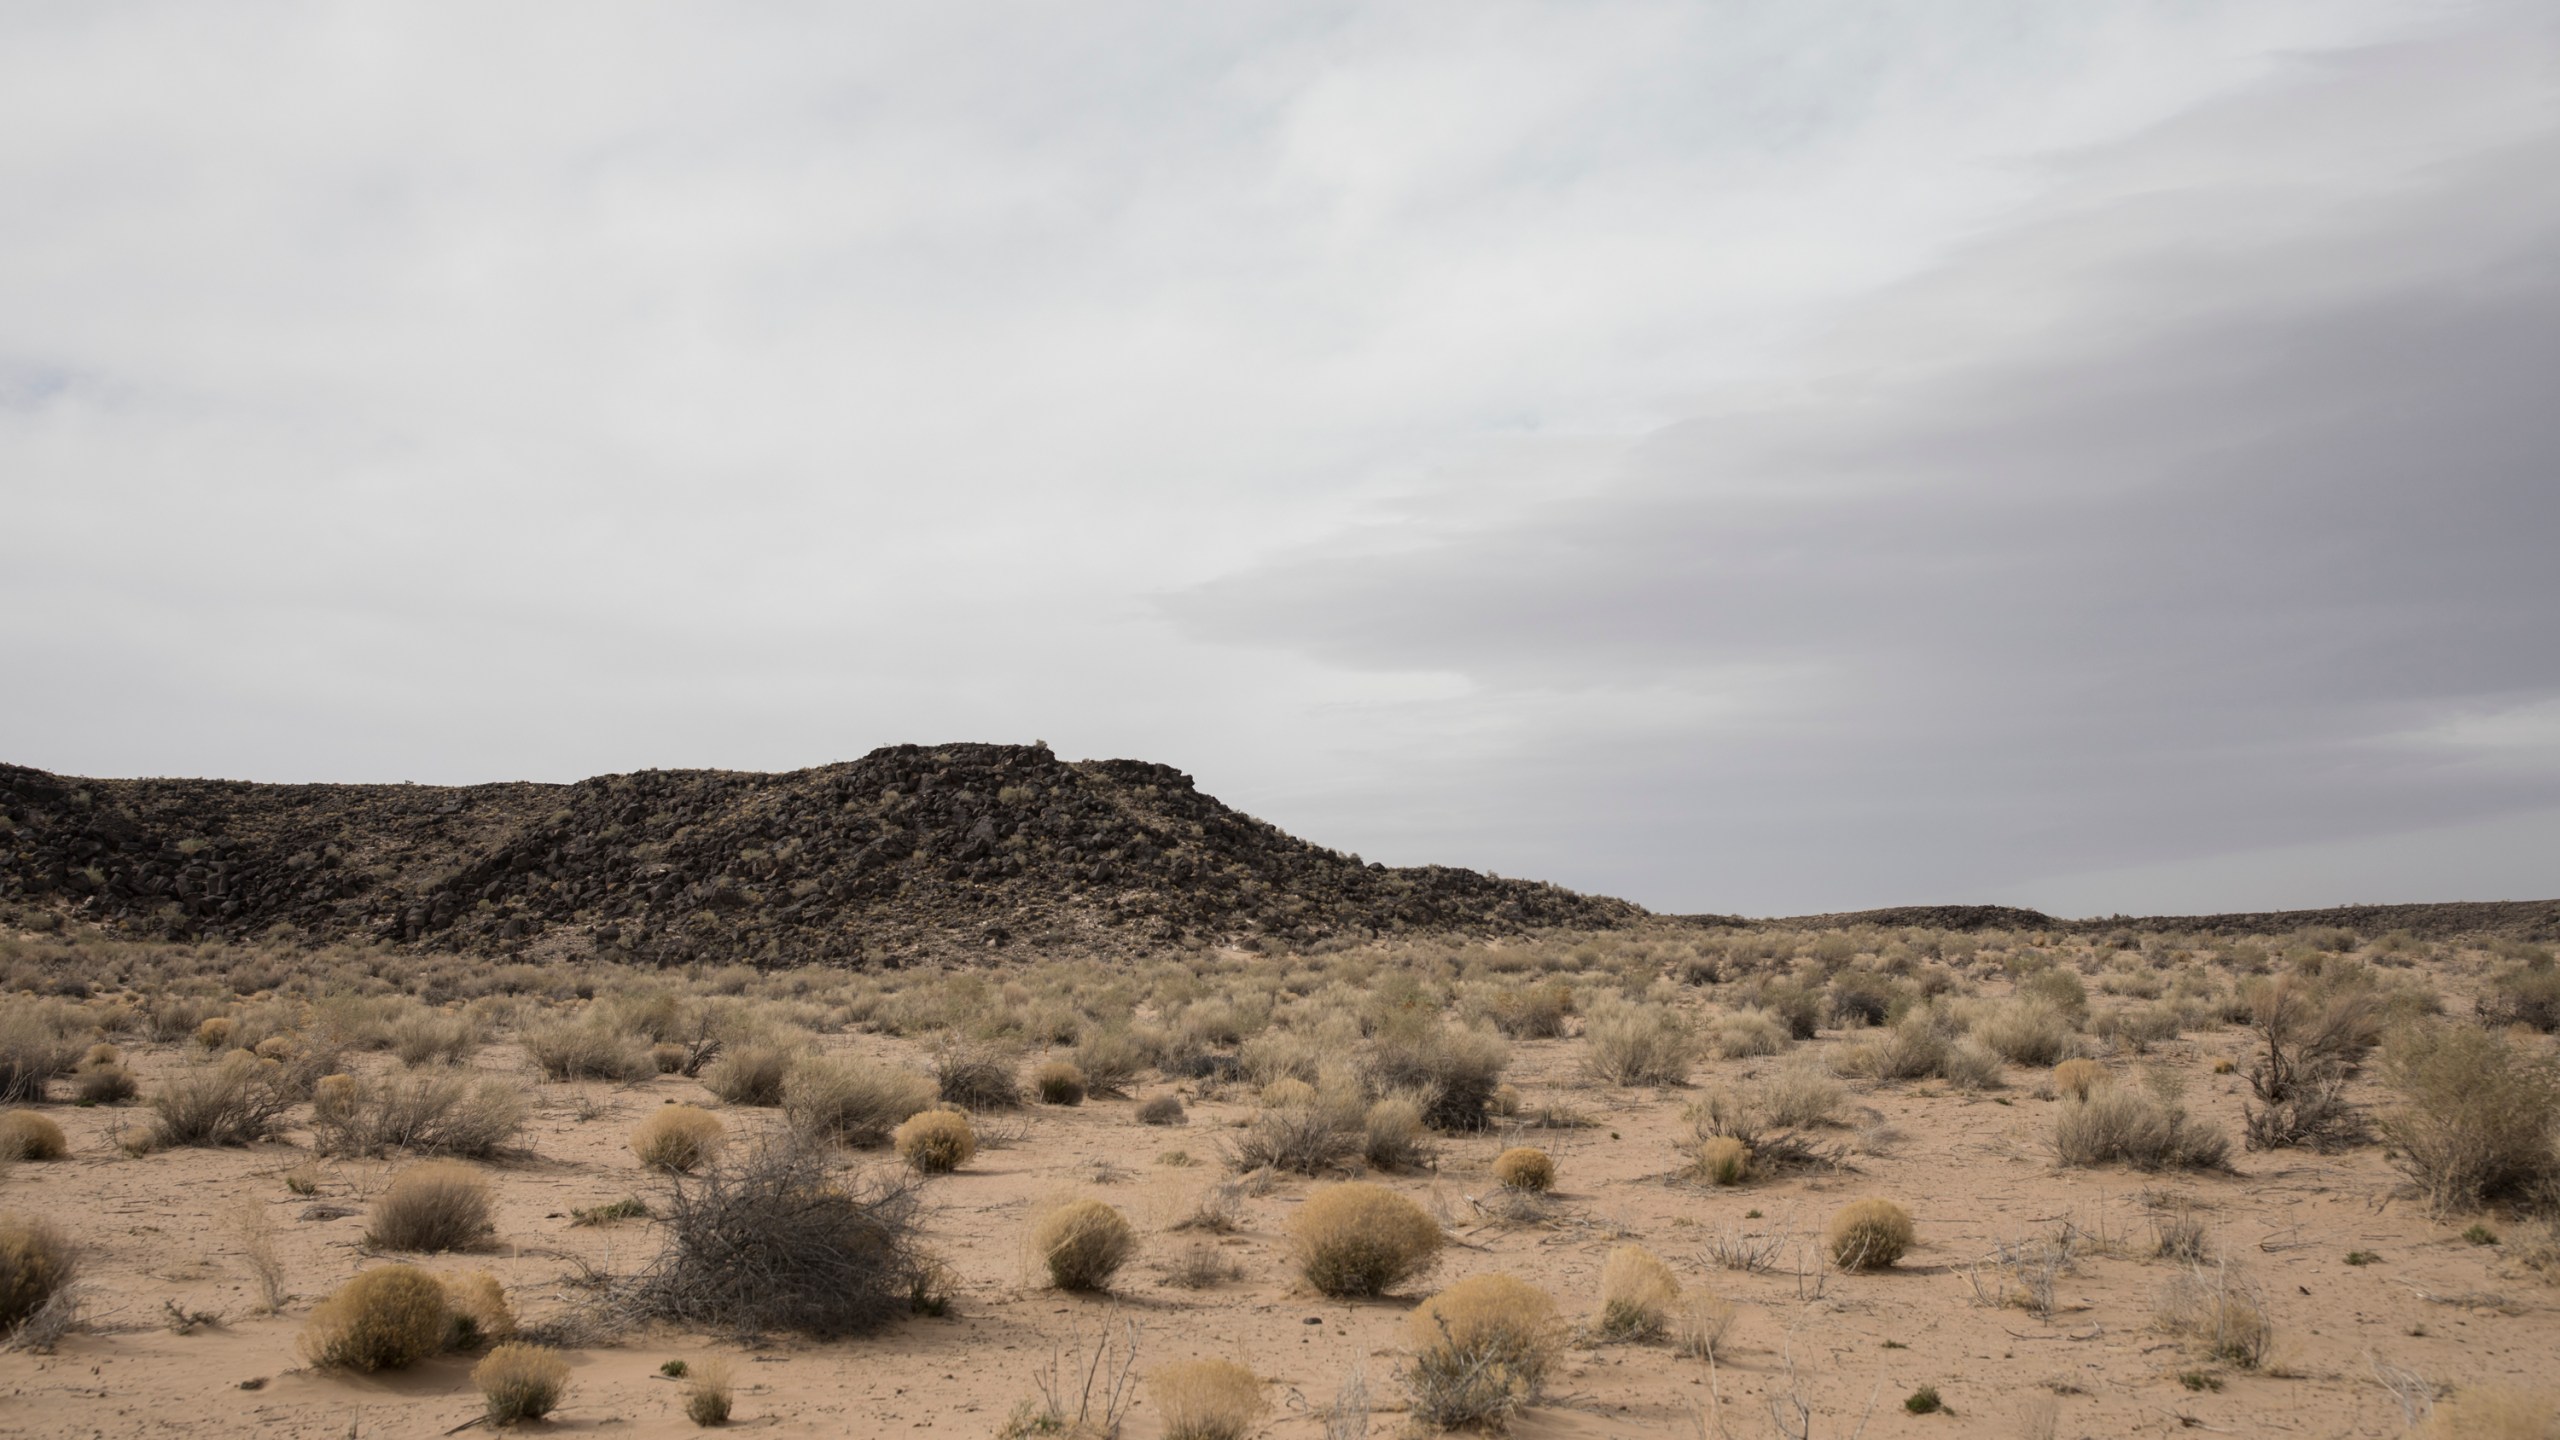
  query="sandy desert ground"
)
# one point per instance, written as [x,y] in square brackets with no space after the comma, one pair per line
[2030,1302]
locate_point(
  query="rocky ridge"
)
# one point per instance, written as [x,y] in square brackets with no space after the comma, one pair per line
[908,853]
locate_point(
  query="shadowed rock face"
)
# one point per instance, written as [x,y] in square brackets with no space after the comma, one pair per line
[909,852]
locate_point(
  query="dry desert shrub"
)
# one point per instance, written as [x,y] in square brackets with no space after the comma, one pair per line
[588,1049]
[2478,1118]
[237,1100]
[935,1142]
[2115,1124]
[2076,1077]
[852,1101]
[750,1074]
[33,1049]
[707,1399]
[1531,1012]
[769,1237]
[679,1138]
[1206,1399]
[1525,1168]
[1699,1320]
[1481,1352]
[1636,1294]
[1911,1049]
[1744,1034]
[2494,1413]
[1058,1082]
[36,1264]
[1393,1136]
[1638,1045]
[1868,1235]
[1082,1244]
[1305,1138]
[26,1135]
[1285,1092]
[2030,1029]
[1110,1059]
[423,1112]
[386,1318]
[103,1081]
[476,1311]
[1161,1110]
[1722,1160]
[2526,994]
[2308,1042]
[433,1037]
[432,1206]
[2219,1310]
[521,1382]
[1361,1239]
[1771,1117]
[1452,1069]
[981,1077]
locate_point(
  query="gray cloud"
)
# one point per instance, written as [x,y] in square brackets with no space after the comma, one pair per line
[2170,522]
[1742,456]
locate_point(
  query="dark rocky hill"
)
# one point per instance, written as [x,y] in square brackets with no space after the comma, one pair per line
[911,851]
[2510,919]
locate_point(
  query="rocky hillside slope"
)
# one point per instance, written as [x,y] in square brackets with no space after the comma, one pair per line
[911,851]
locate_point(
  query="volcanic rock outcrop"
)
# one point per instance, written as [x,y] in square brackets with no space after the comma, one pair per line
[910,852]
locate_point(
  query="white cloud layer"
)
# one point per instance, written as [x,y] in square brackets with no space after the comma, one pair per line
[1738,457]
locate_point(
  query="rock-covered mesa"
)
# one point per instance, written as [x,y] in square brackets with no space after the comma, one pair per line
[911,852]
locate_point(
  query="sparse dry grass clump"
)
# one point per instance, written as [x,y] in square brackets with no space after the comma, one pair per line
[2494,1413]
[1636,1294]
[1393,1136]
[588,1049]
[1206,1399]
[33,1050]
[769,1237]
[2220,1311]
[1722,1160]
[852,1101]
[432,1206]
[521,1382]
[707,1397]
[2478,1118]
[103,1080]
[1699,1321]
[1058,1082]
[1744,1034]
[424,1112]
[478,1311]
[2527,993]
[1772,1118]
[1361,1239]
[1638,1045]
[2115,1124]
[981,1077]
[1304,1137]
[26,1135]
[751,1074]
[1451,1070]
[679,1138]
[936,1142]
[36,1264]
[432,1037]
[1868,1235]
[2028,1029]
[1525,1167]
[386,1318]
[237,1100]
[1161,1110]
[1082,1244]
[2076,1077]
[1481,1352]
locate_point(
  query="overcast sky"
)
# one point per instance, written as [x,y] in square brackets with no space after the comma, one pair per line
[1758,457]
